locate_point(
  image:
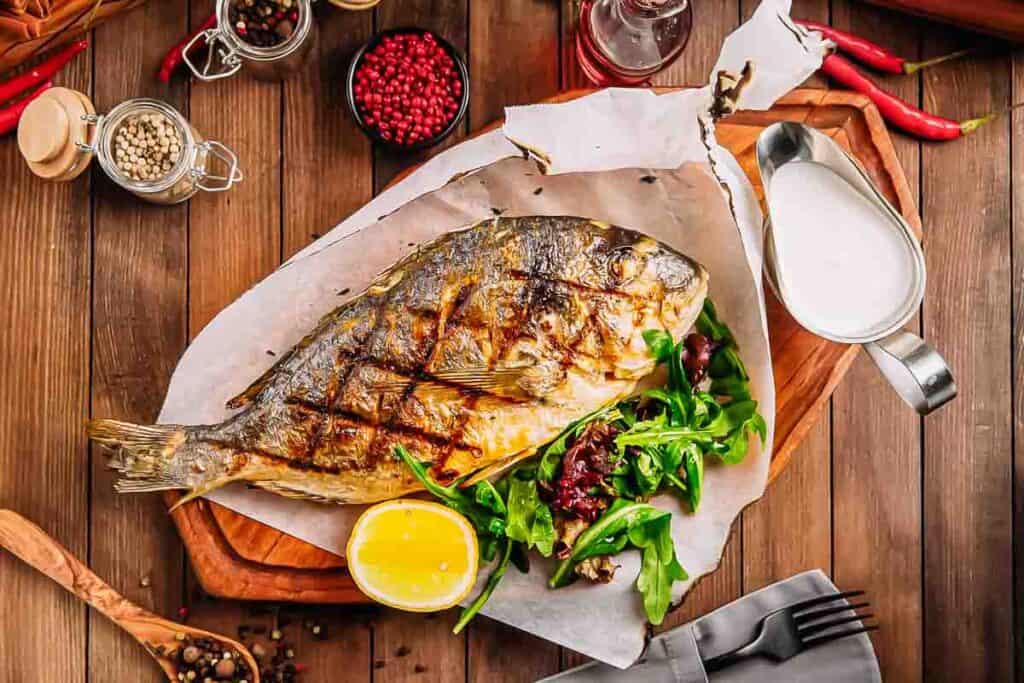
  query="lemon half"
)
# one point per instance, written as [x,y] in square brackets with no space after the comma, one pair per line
[413,555]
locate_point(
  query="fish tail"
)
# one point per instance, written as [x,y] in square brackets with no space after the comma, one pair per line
[144,455]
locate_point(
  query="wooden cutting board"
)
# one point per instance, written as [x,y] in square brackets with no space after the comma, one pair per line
[236,557]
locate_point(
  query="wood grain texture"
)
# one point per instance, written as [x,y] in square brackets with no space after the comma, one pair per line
[877,439]
[1016,318]
[1002,18]
[45,262]
[328,162]
[954,624]
[968,613]
[138,332]
[235,237]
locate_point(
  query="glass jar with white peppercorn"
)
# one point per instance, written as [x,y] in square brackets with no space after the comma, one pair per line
[150,149]
[271,37]
[145,146]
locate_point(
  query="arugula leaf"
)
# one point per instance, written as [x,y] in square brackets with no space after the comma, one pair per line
[487,495]
[623,485]
[647,471]
[492,582]
[659,568]
[709,325]
[693,463]
[529,519]
[488,547]
[616,519]
[660,344]
[737,441]
[482,518]
[612,545]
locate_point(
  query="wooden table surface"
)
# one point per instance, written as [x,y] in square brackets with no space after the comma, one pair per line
[102,294]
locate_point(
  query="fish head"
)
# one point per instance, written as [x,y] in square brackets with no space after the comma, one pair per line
[666,291]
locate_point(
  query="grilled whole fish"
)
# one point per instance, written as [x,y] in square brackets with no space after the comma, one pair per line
[563,300]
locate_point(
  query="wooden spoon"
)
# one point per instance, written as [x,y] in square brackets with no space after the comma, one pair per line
[35,547]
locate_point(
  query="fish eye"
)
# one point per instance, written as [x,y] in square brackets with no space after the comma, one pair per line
[624,264]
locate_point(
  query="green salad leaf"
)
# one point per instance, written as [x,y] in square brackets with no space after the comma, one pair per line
[493,580]
[618,518]
[659,568]
[529,519]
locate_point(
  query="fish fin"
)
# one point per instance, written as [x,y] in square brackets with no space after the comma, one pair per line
[503,381]
[283,489]
[142,454]
[196,492]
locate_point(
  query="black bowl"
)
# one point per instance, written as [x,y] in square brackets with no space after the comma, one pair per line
[372,133]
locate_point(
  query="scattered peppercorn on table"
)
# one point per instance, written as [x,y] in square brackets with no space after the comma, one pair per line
[104,292]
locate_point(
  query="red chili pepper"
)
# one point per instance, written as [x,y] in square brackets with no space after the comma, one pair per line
[174,56]
[41,72]
[10,116]
[873,54]
[900,114]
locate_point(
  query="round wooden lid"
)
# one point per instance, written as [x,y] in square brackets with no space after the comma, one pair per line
[43,130]
[48,132]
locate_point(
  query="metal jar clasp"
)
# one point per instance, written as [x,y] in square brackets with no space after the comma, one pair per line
[229,62]
[219,183]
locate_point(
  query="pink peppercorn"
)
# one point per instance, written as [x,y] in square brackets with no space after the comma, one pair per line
[406,88]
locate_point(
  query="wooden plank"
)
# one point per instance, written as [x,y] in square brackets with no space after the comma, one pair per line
[139,331]
[448,19]
[327,174]
[871,425]
[967,487]
[1017,313]
[513,60]
[44,351]
[418,648]
[328,162]
[235,237]
[790,529]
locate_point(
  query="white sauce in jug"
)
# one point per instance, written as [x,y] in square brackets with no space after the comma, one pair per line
[845,267]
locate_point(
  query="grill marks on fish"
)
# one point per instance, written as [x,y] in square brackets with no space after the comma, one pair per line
[559,295]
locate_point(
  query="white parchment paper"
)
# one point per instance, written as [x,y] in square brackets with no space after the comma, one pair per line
[596,150]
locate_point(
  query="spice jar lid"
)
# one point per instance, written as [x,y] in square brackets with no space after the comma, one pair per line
[50,130]
[44,130]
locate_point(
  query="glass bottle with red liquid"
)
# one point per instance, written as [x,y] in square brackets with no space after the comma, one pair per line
[625,42]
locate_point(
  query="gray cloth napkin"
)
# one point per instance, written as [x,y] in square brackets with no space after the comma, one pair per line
[674,656]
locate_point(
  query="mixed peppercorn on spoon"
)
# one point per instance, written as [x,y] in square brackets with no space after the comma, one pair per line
[179,649]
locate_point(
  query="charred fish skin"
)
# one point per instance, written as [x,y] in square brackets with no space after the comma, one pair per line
[567,299]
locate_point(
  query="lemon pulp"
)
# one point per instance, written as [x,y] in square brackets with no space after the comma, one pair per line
[413,555]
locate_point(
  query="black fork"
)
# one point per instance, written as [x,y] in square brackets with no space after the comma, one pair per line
[787,632]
